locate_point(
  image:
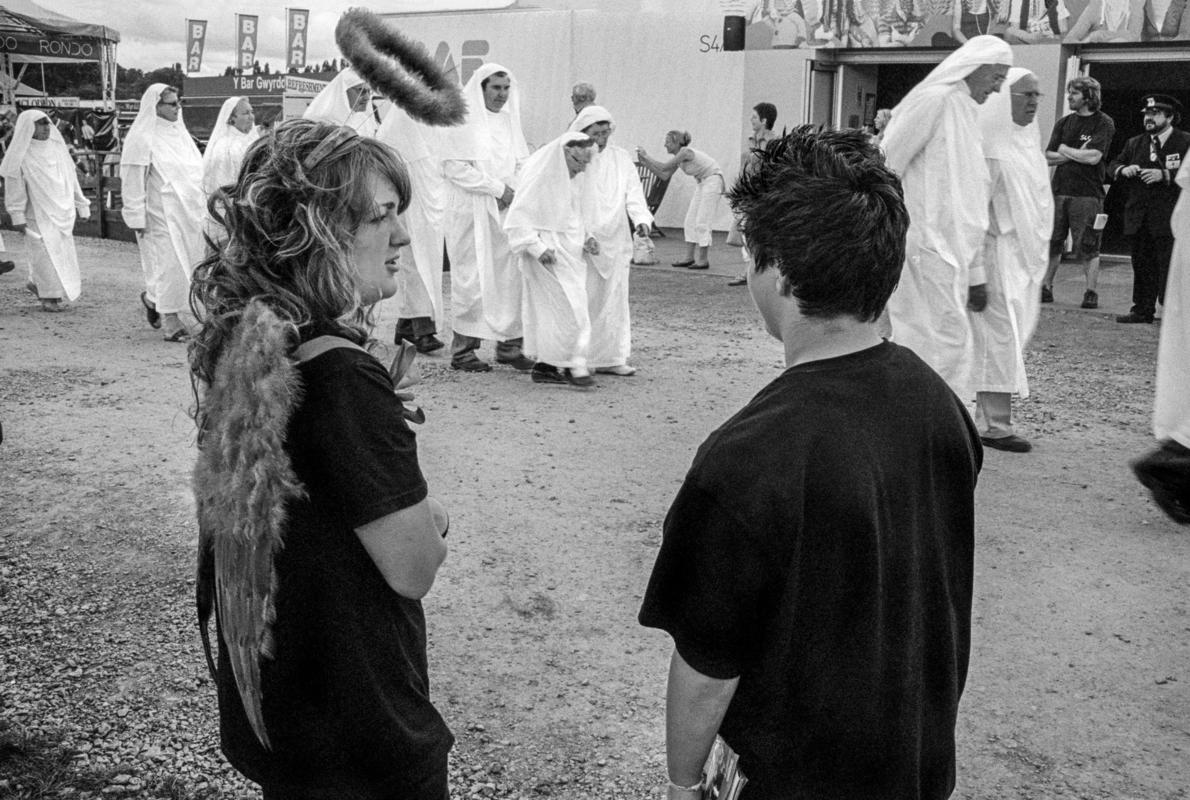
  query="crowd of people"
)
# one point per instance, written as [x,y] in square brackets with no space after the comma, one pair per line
[816,567]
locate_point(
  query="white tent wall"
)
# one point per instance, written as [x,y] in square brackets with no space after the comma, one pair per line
[647,69]
[648,72]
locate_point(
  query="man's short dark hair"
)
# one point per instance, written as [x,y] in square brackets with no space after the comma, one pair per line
[484,83]
[767,112]
[822,207]
[1089,88]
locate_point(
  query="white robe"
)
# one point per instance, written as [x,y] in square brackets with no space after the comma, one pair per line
[1016,250]
[485,285]
[166,200]
[47,199]
[1171,412]
[611,194]
[419,281]
[221,162]
[947,189]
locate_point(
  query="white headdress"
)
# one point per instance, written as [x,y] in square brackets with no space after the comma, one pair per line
[10,167]
[470,141]
[589,116]
[138,145]
[544,184]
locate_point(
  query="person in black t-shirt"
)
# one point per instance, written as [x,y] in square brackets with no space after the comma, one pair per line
[317,533]
[1076,150]
[815,571]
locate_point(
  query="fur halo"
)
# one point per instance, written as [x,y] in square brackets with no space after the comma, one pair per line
[399,68]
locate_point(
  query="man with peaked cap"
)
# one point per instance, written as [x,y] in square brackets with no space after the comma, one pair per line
[933,142]
[610,191]
[161,180]
[481,160]
[43,197]
[235,129]
[1148,165]
[1015,255]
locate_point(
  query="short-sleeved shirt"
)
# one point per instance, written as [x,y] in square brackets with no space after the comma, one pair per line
[1093,132]
[346,699]
[821,550]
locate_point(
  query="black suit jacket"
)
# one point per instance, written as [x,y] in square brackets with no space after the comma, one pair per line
[1150,202]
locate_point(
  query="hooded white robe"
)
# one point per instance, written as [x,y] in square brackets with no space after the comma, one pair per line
[334,106]
[42,192]
[611,194]
[1016,250]
[161,180]
[225,151]
[933,141]
[480,158]
[545,215]
[1171,411]
[419,292]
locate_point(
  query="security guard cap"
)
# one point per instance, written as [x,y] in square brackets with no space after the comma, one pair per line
[1161,102]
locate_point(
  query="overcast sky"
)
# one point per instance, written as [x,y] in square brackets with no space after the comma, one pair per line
[152,32]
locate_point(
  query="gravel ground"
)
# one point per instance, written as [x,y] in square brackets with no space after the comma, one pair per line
[1078,685]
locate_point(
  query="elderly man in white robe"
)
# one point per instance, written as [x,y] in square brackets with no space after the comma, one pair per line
[346,100]
[235,129]
[933,141]
[481,160]
[43,198]
[611,192]
[161,179]
[546,231]
[1166,470]
[1015,256]
[419,281]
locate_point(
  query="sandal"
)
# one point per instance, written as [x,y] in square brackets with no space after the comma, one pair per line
[180,335]
[151,315]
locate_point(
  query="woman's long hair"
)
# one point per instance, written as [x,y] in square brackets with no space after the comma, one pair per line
[284,238]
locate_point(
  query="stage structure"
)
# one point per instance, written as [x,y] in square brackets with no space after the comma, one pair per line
[30,34]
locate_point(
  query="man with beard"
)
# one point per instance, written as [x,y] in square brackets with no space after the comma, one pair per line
[1148,165]
[1076,151]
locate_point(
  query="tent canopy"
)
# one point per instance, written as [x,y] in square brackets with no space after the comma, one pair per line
[31,33]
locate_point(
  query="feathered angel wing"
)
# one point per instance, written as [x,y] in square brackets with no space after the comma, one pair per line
[243,481]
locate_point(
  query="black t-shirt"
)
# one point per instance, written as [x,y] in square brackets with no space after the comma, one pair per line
[346,700]
[1093,132]
[821,549]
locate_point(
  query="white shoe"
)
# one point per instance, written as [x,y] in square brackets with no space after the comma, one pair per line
[623,370]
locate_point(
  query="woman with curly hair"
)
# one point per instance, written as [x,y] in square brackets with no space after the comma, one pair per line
[317,534]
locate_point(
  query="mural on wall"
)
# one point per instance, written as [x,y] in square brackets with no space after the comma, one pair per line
[949,23]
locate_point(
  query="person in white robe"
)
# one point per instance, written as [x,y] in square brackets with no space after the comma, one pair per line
[161,180]
[235,129]
[1015,256]
[43,198]
[346,100]
[933,142]
[419,281]
[546,232]
[481,160]
[1166,470]
[611,192]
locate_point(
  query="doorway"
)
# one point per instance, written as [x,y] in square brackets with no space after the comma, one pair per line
[1124,84]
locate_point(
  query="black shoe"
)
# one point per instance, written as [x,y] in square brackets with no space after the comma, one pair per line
[1009,444]
[519,362]
[1132,317]
[151,315]
[697,266]
[1047,294]
[7,266]
[582,381]
[429,343]
[472,364]
[547,373]
[1090,300]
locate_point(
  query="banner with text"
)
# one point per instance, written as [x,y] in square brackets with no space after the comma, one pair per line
[196,38]
[296,30]
[246,27]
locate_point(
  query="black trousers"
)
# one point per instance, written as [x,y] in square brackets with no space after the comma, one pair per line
[411,328]
[1150,268]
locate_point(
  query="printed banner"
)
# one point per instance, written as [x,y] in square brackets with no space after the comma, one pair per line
[298,23]
[196,37]
[246,27]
